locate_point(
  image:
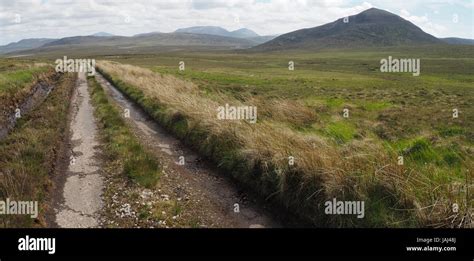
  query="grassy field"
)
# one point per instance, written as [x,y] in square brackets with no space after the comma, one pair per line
[300,114]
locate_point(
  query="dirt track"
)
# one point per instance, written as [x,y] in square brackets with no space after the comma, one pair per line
[79,198]
[212,197]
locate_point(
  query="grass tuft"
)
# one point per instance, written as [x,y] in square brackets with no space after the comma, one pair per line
[121,144]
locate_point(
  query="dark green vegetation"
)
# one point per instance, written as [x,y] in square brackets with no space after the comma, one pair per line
[28,155]
[122,147]
[455,40]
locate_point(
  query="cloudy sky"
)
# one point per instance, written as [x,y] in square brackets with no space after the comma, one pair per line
[20,19]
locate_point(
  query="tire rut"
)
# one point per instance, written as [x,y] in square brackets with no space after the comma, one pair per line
[81,194]
[215,194]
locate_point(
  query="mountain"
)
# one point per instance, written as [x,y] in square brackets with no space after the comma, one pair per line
[372,27]
[103,34]
[150,33]
[191,39]
[262,39]
[455,40]
[211,30]
[216,30]
[84,40]
[25,44]
[244,33]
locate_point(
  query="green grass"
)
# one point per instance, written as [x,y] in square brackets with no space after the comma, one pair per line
[10,81]
[451,131]
[15,75]
[375,106]
[121,144]
[28,155]
[421,151]
[334,103]
[340,131]
[390,106]
[16,83]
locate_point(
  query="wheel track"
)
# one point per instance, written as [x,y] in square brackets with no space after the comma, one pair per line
[215,194]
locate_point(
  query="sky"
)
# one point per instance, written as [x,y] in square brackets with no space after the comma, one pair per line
[21,19]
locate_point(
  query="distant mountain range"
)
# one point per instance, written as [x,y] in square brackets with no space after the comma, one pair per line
[102,34]
[216,30]
[455,40]
[25,44]
[210,36]
[243,33]
[153,39]
[370,28]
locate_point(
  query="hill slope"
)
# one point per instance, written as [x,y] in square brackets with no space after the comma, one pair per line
[244,33]
[211,30]
[455,40]
[216,30]
[373,27]
[154,39]
[25,44]
[103,34]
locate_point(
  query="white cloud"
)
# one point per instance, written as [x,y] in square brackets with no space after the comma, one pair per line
[424,23]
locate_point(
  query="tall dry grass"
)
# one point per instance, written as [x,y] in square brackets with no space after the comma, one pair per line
[360,170]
